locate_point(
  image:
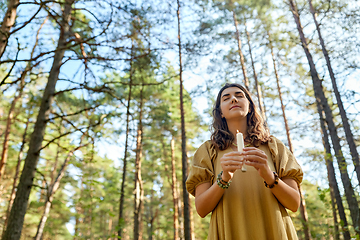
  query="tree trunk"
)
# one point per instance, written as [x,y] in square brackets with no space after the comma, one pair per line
[187,225]
[345,121]
[122,191]
[242,60]
[280,93]
[257,86]
[18,210]
[174,191]
[8,22]
[138,189]
[334,189]
[320,96]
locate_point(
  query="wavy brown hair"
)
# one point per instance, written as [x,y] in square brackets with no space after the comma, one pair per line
[257,132]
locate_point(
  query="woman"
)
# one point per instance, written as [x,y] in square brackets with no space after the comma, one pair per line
[245,205]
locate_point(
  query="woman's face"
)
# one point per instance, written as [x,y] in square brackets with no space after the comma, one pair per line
[233,103]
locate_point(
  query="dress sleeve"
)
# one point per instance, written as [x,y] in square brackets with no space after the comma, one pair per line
[285,163]
[201,169]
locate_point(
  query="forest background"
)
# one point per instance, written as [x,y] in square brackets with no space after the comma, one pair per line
[103,104]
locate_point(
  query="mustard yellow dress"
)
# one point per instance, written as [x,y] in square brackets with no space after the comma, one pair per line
[248,210]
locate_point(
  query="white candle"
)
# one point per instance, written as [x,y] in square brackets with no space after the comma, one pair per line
[240,145]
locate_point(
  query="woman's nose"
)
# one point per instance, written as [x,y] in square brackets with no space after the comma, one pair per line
[234,99]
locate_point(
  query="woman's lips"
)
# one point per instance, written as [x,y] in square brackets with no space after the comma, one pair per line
[234,107]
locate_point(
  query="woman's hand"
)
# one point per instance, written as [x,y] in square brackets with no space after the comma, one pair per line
[257,158]
[230,162]
[286,191]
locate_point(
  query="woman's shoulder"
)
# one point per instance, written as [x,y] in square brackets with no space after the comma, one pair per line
[206,146]
[276,145]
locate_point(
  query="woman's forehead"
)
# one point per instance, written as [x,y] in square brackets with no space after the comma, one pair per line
[231,90]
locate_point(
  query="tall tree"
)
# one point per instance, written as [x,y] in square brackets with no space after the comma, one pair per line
[174,191]
[239,44]
[7,24]
[348,133]
[320,97]
[257,85]
[127,131]
[18,210]
[187,224]
[138,183]
[303,211]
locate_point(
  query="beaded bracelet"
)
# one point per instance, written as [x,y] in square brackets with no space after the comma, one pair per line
[221,182]
[275,183]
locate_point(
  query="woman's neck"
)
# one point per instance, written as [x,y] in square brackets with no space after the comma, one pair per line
[237,125]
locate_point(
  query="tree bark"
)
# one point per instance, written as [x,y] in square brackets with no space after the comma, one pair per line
[7,24]
[18,210]
[242,60]
[348,133]
[187,225]
[138,188]
[320,96]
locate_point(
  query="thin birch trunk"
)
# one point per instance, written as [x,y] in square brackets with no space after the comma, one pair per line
[7,24]
[348,133]
[122,191]
[187,224]
[138,188]
[242,60]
